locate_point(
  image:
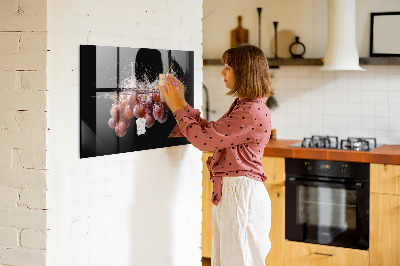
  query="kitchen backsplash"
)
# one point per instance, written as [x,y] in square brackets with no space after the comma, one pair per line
[314,102]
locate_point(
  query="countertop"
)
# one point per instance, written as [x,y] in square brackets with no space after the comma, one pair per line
[389,154]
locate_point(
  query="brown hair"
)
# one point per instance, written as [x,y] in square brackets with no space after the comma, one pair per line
[250,66]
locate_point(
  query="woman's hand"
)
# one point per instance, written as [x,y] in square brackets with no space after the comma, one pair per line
[174,93]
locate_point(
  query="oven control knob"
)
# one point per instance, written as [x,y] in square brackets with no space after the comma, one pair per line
[343,168]
[308,166]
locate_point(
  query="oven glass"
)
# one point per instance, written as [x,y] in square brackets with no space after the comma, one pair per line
[326,207]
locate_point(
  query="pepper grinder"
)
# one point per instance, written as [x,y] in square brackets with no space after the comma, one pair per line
[276,39]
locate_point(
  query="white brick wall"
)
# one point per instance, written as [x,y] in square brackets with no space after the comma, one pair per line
[23,132]
[140,208]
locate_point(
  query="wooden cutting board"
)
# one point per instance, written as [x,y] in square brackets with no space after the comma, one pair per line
[239,35]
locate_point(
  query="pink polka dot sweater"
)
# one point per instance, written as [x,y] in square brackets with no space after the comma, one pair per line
[238,139]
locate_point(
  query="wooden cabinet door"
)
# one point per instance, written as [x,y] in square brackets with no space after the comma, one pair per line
[274,168]
[206,226]
[277,233]
[384,237]
[385,178]
[304,254]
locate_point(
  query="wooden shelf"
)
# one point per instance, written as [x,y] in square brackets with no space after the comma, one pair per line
[380,61]
[273,63]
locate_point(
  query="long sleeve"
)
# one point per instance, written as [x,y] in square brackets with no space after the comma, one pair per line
[195,114]
[228,131]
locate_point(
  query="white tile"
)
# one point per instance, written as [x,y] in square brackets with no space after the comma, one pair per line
[329,109]
[304,72]
[317,95]
[381,123]
[291,71]
[316,82]
[342,81]
[292,83]
[342,122]
[329,121]
[367,83]
[380,71]
[342,96]
[394,83]
[331,131]
[354,80]
[381,110]
[355,122]
[382,136]
[342,133]
[381,84]
[355,96]
[317,121]
[394,123]
[317,107]
[367,110]
[329,95]
[394,137]
[342,109]
[355,132]
[316,72]
[328,74]
[394,70]
[303,82]
[367,122]
[394,110]
[317,131]
[367,96]
[293,120]
[355,109]
[367,133]
[394,97]
[381,97]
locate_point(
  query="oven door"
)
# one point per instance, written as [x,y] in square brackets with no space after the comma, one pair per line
[327,213]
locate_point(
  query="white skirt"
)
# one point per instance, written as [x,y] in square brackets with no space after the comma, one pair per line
[241,223]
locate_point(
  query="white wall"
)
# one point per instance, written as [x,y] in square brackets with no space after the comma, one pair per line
[306,19]
[23,133]
[311,102]
[140,208]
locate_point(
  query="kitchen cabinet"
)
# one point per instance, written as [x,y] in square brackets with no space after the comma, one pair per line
[206,225]
[385,214]
[274,168]
[305,254]
[385,178]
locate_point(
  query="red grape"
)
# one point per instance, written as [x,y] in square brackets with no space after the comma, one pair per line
[132,100]
[139,111]
[158,111]
[166,107]
[156,97]
[148,105]
[128,112]
[112,122]
[126,121]
[120,129]
[163,118]
[149,120]
[116,111]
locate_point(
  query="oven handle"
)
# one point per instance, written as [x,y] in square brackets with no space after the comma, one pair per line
[357,185]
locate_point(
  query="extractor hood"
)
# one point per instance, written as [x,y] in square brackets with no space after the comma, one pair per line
[341,51]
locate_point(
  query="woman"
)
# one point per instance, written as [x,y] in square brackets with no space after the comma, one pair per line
[242,209]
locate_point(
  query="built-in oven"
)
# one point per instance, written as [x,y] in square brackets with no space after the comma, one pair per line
[327,202]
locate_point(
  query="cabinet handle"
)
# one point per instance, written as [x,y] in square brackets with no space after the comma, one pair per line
[324,254]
